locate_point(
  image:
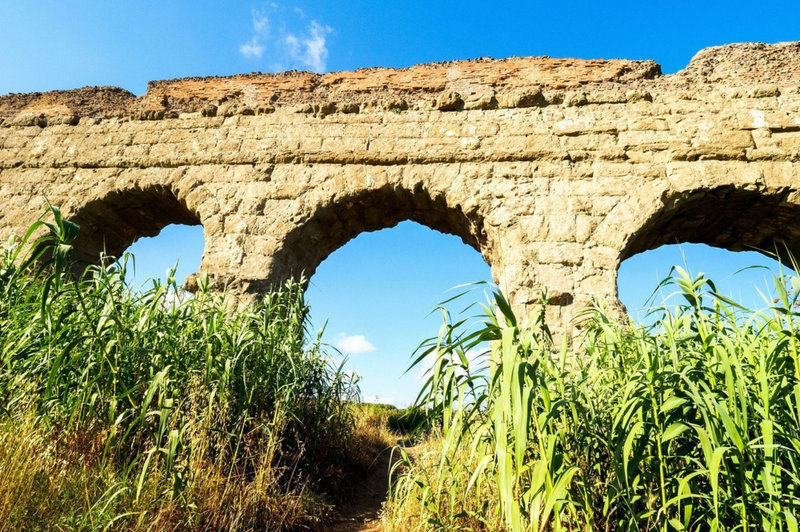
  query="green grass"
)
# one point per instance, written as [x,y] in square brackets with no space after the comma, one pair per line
[126,410]
[691,424]
[123,410]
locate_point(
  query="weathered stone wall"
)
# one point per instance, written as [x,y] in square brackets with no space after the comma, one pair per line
[554,170]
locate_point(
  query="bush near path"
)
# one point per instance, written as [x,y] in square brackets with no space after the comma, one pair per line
[692,423]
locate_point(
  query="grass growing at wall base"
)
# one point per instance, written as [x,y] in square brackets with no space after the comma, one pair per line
[141,411]
[690,424]
[124,410]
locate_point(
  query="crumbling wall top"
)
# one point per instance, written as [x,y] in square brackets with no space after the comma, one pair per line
[101,102]
[743,64]
[447,86]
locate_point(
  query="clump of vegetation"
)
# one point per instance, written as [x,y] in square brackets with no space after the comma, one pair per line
[692,423]
[372,436]
[400,421]
[408,420]
[125,410]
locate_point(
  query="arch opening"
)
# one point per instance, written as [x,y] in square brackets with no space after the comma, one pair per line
[333,224]
[175,246]
[112,223]
[743,276]
[375,295]
[722,233]
[730,217]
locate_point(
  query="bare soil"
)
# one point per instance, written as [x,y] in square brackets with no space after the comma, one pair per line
[362,512]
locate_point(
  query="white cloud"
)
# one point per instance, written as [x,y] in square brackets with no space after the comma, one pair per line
[288,37]
[315,50]
[293,45]
[260,22]
[252,49]
[356,344]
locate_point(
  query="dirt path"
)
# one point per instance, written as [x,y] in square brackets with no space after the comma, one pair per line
[362,512]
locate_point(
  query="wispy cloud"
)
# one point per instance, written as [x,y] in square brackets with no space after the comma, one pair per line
[355,344]
[260,22]
[287,38]
[252,49]
[313,51]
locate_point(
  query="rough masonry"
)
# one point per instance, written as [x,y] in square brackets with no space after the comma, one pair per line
[555,170]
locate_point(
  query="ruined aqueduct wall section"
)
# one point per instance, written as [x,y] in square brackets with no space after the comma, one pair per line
[554,170]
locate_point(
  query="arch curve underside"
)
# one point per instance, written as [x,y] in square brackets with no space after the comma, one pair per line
[728,217]
[329,226]
[111,223]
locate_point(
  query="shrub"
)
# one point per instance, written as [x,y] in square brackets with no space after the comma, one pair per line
[147,410]
[690,424]
[408,420]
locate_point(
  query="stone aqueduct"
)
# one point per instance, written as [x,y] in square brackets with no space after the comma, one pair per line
[555,170]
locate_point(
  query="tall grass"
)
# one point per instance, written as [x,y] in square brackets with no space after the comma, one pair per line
[133,410]
[692,423]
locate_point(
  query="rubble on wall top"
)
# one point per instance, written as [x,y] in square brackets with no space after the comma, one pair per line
[447,86]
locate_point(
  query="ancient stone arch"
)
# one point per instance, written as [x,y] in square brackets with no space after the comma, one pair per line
[115,219]
[556,170]
[345,215]
[730,217]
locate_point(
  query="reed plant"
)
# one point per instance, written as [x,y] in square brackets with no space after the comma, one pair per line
[691,423]
[143,410]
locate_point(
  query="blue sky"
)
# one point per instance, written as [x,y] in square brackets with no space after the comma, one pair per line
[375,292]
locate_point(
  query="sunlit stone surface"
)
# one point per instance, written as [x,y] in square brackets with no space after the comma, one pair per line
[555,170]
